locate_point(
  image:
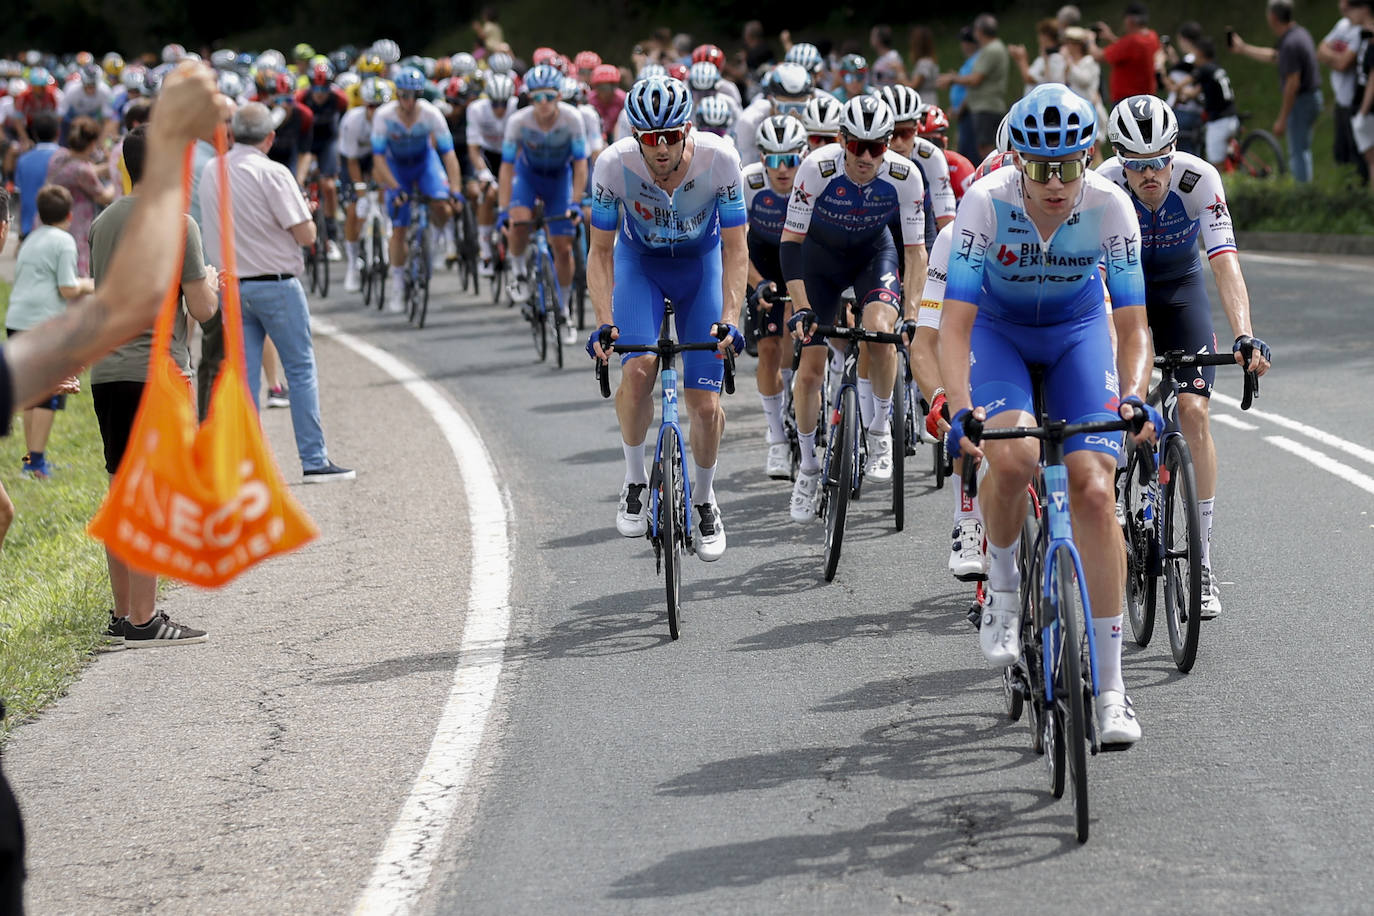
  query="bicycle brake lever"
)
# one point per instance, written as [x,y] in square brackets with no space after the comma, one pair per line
[1251,389]
[603,376]
[729,382]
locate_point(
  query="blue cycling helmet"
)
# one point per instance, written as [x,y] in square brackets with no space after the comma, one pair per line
[543,76]
[1052,120]
[410,79]
[658,102]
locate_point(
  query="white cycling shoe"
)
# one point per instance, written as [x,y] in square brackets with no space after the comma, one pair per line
[999,633]
[353,281]
[1116,721]
[779,463]
[396,298]
[879,466]
[709,535]
[632,516]
[804,495]
[1211,595]
[966,558]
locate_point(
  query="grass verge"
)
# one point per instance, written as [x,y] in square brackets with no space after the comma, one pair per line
[55,593]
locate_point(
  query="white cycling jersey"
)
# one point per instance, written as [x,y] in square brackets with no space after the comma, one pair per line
[592,125]
[935,167]
[747,129]
[355,134]
[937,272]
[485,129]
[76,102]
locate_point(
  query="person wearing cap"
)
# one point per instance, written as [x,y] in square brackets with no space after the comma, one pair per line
[1132,56]
[987,85]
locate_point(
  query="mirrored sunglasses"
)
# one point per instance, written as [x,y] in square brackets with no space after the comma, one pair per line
[1153,162]
[1065,171]
[782,160]
[544,95]
[873,148]
[666,137]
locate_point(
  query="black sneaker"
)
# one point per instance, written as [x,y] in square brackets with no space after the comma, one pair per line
[113,637]
[329,473]
[160,631]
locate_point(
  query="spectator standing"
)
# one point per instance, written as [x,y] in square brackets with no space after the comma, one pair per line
[1213,86]
[6,506]
[117,383]
[271,223]
[45,277]
[925,66]
[1083,75]
[958,96]
[488,31]
[1049,65]
[756,53]
[987,86]
[1362,121]
[1338,51]
[1133,57]
[72,168]
[1299,83]
[31,170]
[1177,77]
[135,113]
[887,69]
[1068,16]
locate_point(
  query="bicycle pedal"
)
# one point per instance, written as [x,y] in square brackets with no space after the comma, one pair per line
[975,616]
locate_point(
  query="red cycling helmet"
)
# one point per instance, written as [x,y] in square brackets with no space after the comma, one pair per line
[992,163]
[454,88]
[930,119]
[561,64]
[320,75]
[587,60]
[606,73]
[678,72]
[283,85]
[709,53]
[542,55]
[961,173]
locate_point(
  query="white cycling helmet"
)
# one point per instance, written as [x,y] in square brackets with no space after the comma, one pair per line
[652,70]
[715,111]
[1004,134]
[781,134]
[806,54]
[904,101]
[500,88]
[867,118]
[792,80]
[1141,124]
[501,62]
[387,50]
[822,116]
[703,76]
[463,63]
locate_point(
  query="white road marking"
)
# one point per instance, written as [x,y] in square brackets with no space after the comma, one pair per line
[1225,419]
[1316,435]
[1326,463]
[403,868]
[1300,262]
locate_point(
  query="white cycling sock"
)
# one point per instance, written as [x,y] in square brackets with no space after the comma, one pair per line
[398,276]
[703,484]
[807,443]
[1204,509]
[1107,636]
[484,240]
[882,411]
[786,376]
[1003,575]
[634,463]
[964,506]
[866,401]
[351,251]
[772,411]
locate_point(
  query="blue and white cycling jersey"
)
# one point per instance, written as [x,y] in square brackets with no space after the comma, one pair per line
[1195,205]
[833,211]
[999,262]
[545,152]
[685,224]
[409,144]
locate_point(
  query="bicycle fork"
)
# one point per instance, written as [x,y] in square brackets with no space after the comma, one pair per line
[1061,531]
[668,381]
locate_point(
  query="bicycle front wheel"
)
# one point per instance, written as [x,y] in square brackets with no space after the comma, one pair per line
[671,522]
[553,309]
[899,428]
[1141,551]
[378,267]
[1181,538]
[1261,156]
[322,249]
[423,273]
[1070,606]
[839,477]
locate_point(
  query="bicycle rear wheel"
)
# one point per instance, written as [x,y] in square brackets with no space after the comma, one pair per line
[1025,557]
[538,327]
[671,522]
[1261,156]
[424,274]
[378,267]
[1070,607]
[839,477]
[322,249]
[1181,540]
[899,421]
[553,309]
[1141,552]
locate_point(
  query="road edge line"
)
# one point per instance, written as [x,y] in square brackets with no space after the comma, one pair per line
[403,867]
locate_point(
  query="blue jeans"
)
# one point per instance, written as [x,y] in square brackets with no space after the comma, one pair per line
[1301,121]
[277,309]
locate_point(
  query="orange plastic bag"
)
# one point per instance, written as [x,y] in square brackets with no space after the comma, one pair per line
[199,504]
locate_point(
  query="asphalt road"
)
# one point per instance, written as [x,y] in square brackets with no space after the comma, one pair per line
[804,747]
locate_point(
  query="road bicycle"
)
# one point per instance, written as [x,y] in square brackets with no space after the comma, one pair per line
[1255,153]
[317,252]
[1050,677]
[670,487]
[465,254]
[577,306]
[843,471]
[545,310]
[419,267]
[372,243]
[1163,524]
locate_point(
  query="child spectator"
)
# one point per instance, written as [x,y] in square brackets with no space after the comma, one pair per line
[45,277]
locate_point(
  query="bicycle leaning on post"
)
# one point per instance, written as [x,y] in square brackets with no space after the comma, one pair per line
[670,487]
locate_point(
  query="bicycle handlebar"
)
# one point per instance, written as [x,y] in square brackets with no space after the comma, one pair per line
[863,334]
[603,375]
[1178,358]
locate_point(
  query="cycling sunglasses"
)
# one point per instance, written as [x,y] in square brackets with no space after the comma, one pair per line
[1066,171]
[789,108]
[544,95]
[1154,162]
[407,94]
[782,160]
[665,137]
[904,133]
[816,140]
[874,148]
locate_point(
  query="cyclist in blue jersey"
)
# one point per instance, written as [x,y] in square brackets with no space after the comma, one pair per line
[668,220]
[1023,290]
[781,141]
[1179,197]
[412,149]
[835,237]
[543,157]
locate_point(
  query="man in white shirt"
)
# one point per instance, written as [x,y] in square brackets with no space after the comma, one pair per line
[1338,51]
